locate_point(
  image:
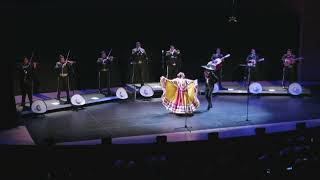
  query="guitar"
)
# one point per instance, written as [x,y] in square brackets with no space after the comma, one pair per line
[253,63]
[217,63]
[288,62]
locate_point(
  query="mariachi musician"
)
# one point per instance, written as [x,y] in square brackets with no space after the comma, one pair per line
[210,80]
[218,56]
[104,70]
[252,60]
[26,72]
[64,70]
[173,62]
[289,61]
[140,58]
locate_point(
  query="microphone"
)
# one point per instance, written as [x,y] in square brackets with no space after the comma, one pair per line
[162,51]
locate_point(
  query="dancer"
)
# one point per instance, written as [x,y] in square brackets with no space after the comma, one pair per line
[180,94]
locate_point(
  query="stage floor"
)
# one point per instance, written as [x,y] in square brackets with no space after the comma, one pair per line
[272,88]
[132,118]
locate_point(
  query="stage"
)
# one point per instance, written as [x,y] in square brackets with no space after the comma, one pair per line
[92,96]
[273,88]
[121,119]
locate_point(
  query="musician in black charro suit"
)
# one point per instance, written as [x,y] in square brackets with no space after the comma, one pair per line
[64,70]
[218,55]
[104,71]
[139,61]
[252,61]
[210,80]
[173,62]
[289,67]
[26,73]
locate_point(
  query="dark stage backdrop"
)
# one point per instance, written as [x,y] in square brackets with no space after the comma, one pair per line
[196,29]
[310,41]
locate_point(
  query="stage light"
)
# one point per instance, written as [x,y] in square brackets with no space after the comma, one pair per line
[146,91]
[272,90]
[55,103]
[233,19]
[122,93]
[39,107]
[255,88]
[295,89]
[77,100]
[94,98]
[230,89]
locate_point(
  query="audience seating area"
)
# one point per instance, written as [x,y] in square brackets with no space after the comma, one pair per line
[286,155]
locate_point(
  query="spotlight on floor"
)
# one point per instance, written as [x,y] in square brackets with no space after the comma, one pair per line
[122,93]
[55,103]
[39,107]
[295,89]
[146,91]
[77,100]
[161,139]
[255,88]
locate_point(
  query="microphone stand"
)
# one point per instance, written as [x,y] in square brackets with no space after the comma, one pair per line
[248,92]
[185,121]
[162,62]
[283,77]
[32,83]
[132,81]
